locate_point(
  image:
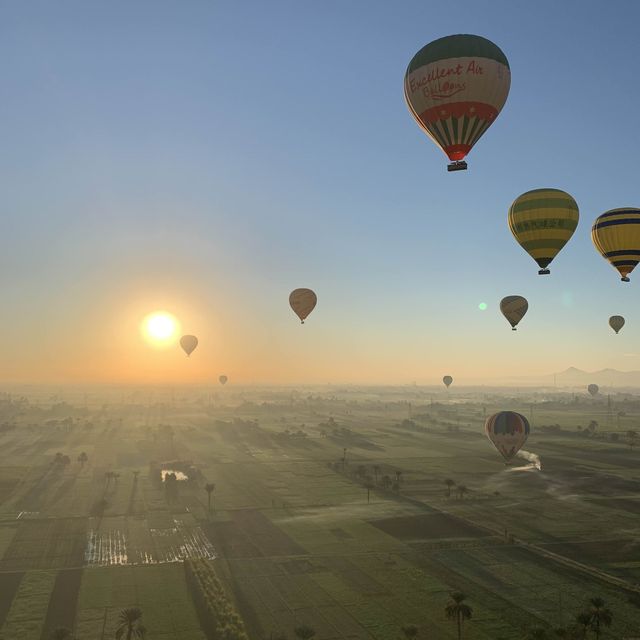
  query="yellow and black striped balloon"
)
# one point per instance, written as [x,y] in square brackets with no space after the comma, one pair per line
[616,235]
[543,221]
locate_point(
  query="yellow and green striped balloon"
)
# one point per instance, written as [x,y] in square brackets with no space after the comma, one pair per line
[543,221]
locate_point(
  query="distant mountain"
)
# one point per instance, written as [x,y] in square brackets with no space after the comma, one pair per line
[605,377]
[574,377]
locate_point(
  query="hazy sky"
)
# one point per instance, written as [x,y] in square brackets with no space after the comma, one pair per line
[208,157]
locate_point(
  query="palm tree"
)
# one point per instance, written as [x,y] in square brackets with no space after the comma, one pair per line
[450,483]
[82,458]
[398,476]
[458,610]
[304,632]
[376,471]
[130,624]
[61,633]
[368,485]
[600,615]
[209,488]
[462,489]
[410,631]
[583,621]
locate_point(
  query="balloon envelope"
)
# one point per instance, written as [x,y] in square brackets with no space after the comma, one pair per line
[593,389]
[447,380]
[455,87]
[513,309]
[508,431]
[188,344]
[616,235]
[223,380]
[616,323]
[542,221]
[302,301]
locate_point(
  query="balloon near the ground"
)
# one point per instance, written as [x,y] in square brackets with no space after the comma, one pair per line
[508,431]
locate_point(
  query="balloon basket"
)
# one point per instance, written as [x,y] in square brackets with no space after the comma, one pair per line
[625,279]
[544,272]
[458,165]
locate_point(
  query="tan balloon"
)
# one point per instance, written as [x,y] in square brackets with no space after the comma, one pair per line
[513,309]
[303,302]
[616,323]
[188,344]
[223,380]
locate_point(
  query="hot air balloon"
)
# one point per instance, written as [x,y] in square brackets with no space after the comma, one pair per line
[447,380]
[188,344]
[542,221]
[508,431]
[513,309]
[223,380]
[593,389]
[616,323]
[455,87]
[302,301]
[616,235]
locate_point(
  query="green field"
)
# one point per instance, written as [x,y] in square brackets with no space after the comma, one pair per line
[291,533]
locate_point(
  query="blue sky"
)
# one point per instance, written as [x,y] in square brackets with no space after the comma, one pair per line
[209,157]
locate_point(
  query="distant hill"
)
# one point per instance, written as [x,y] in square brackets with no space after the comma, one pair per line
[573,377]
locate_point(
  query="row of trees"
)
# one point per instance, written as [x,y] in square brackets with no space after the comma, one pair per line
[456,610]
[589,623]
[129,627]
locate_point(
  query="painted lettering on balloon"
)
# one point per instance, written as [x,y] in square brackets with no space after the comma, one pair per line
[432,84]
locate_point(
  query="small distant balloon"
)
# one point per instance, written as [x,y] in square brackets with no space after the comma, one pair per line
[223,380]
[593,389]
[508,431]
[447,381]
[616,323]
[513,309]
[616,235]
[303,302]
[188,344]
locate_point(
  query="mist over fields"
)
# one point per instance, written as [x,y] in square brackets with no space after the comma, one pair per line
[330,509]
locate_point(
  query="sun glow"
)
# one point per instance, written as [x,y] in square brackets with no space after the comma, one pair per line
[160,328]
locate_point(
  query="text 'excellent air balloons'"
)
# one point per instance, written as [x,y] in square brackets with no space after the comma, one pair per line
[303,302]
[542,221]
[188,344]
[513,309]
[593,389]
[223,380]
[616,323]
[616,235]
[455,87]
[447,380]
[508,431]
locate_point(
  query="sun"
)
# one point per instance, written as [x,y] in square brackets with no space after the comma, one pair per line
[160,328]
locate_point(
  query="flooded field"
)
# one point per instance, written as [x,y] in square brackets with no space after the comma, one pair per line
[124,547]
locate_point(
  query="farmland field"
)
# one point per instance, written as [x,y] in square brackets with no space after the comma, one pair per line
[330,509]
